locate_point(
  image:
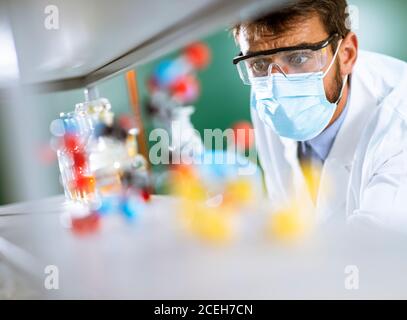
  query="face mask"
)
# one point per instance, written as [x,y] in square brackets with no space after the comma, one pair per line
[294,106]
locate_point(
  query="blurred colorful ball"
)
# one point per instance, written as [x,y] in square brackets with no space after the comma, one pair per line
[198,54]
[185,89]
[165,73]
[152,84]
[244,134]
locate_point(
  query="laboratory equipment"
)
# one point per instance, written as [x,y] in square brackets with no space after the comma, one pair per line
[100,166]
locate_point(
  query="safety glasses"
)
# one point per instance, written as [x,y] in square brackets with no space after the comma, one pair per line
[288,60]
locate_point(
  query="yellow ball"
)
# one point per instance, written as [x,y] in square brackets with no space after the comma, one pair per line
[209,224]
[239,192]
[289,224]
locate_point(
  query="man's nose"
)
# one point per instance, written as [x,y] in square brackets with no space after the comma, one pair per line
[275,68]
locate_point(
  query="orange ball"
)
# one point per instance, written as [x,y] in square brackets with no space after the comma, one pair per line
[85,184]
[244,134]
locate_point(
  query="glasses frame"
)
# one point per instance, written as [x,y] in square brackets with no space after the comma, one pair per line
[314,47]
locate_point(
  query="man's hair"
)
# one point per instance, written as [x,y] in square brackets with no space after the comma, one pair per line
[332,13]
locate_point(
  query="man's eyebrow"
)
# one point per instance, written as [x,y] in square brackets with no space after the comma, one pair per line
[299,45]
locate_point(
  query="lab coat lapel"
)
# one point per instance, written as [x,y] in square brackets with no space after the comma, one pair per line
[331,201]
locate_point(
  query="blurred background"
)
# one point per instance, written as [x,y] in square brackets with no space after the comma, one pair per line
[31,171]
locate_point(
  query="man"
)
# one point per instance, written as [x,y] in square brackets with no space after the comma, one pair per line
[317,99]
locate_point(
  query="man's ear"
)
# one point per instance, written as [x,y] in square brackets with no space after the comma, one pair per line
[348,53]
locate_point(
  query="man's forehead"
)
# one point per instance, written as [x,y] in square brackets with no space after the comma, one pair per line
[257,39]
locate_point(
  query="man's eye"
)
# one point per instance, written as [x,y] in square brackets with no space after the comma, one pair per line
[298,59]
[259,66]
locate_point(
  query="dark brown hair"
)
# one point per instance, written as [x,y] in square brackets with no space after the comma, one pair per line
[333,15]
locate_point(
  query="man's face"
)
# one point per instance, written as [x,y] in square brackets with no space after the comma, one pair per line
[305,31]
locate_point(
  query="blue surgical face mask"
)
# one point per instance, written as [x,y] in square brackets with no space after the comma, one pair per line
[294,106]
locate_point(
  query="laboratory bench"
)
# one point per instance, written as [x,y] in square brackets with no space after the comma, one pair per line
[153,258]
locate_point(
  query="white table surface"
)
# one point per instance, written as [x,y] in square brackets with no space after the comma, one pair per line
[155,259]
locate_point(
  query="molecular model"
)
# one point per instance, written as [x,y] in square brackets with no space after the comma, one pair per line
[101,169]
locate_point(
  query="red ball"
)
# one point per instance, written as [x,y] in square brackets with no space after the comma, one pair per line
[145,194]
[126,122]
[71,142]
[185,89]
[87,224]
[79,159]
[244,134]
[198,54]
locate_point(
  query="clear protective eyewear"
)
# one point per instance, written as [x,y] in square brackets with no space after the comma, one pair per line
[289,60]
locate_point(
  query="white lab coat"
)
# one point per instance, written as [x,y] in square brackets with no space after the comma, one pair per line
[364,178]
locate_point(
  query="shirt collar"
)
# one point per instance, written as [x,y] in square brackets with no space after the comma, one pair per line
[322,143]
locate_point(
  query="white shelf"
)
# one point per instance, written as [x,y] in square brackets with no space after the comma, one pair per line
[97,38]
